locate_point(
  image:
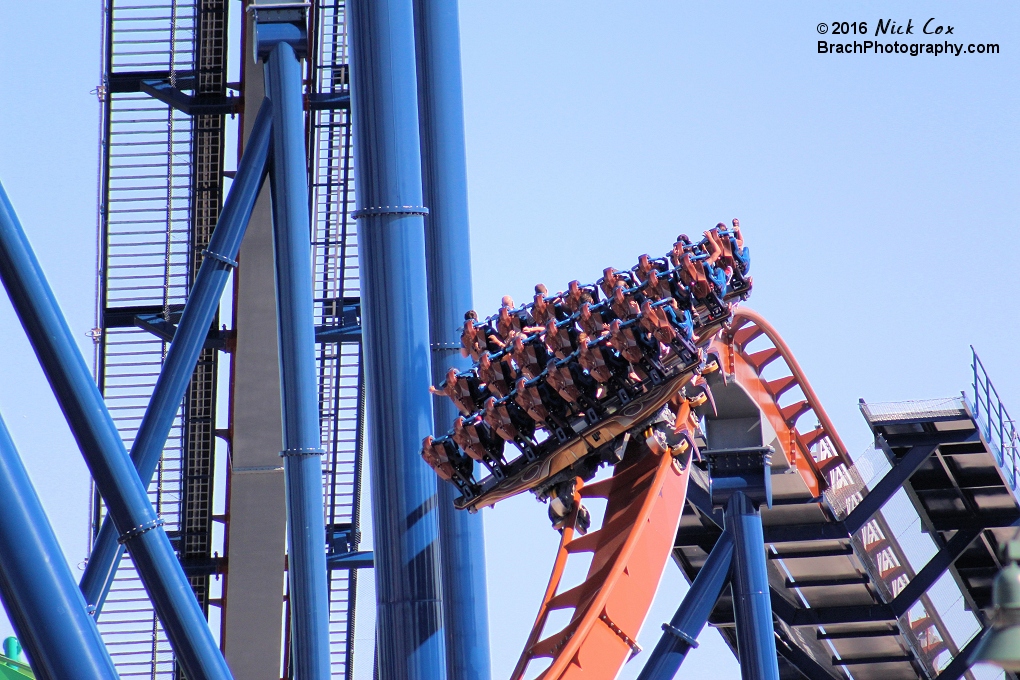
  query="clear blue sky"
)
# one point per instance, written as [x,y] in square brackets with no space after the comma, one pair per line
[878,194]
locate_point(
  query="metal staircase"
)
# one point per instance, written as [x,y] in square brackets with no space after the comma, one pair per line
[160,196]
[162,190]
[337,306]
[145,265]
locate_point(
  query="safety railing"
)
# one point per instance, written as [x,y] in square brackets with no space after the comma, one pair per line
[990,415]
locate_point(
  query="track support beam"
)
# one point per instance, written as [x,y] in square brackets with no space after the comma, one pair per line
[39,592]
[448,261]
[741,482]
[281,41]
[752,605]
[410,642]
[99,440]
[681,633]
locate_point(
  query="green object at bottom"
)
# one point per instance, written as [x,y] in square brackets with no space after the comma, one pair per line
[14,670]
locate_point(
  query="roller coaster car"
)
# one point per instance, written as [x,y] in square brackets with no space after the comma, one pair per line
[569,391]
[588,448]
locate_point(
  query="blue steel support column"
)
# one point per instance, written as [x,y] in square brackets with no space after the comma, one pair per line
[391,236]
[680,635]
[741,480]
[97,437]
[38,590]
[448,262]
[187,344]
[306,531]
[756,642]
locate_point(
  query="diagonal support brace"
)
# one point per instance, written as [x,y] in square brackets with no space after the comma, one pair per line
[188,339]
[101,445]
[681,633]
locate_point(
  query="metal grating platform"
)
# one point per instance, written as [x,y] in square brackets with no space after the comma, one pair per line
[964,492]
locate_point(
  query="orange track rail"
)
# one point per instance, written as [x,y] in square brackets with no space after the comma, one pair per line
[645,500]
[747,367]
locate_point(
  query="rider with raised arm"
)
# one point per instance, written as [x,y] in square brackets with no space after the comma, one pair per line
[464,391]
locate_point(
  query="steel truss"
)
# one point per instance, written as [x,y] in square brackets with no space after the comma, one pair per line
[160,198]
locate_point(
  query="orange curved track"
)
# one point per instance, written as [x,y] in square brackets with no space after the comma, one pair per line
[645,499]
[731,346]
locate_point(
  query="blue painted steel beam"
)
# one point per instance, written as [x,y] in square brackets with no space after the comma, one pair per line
[131,81]
[166,331]
[410,640]
[448,263]
[330,334]
[188,341]
[38,590]
[935,567]
[112,470]
[794,533]
[741,479]
[682,631]
[923,439]
[302,446]
[814,617]
[323,101]
[890,483]
[752,606]
[191,105]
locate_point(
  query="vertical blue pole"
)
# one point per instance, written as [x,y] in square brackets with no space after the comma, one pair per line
[756,640]
[38,590]
[306,567]
[100,443]
[682,631]
[391,237]
[187,344]
[448,261]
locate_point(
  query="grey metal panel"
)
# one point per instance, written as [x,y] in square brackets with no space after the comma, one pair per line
[256,534]
[253,611]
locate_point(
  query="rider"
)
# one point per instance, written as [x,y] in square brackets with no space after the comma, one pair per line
[498,377]
[463,389]
[475,339]
[558,340]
